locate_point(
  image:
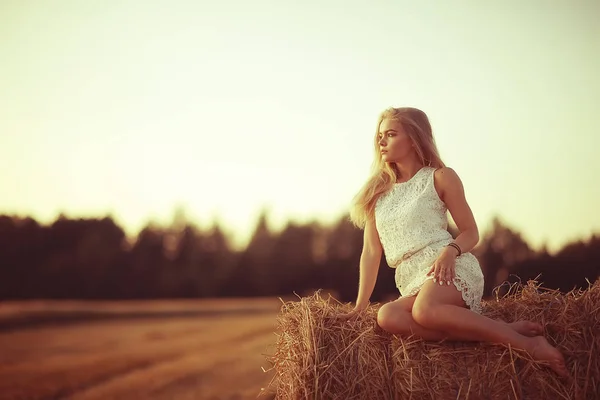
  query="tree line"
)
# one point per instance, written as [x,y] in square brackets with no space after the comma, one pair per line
[93,259]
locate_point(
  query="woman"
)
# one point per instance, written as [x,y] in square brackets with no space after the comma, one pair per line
[402,209]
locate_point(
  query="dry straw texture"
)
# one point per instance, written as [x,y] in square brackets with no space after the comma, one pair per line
[318,356]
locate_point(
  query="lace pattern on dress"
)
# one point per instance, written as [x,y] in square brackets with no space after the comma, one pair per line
[412,223]
[468,277]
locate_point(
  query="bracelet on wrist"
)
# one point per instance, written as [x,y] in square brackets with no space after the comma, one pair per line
[457,247]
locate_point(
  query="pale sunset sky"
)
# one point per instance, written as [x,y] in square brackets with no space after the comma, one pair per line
[134,108]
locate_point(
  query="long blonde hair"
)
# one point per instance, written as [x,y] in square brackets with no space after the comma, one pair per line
[383,175]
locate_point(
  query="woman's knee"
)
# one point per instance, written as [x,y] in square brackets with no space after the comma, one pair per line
[384,316]
[390,318]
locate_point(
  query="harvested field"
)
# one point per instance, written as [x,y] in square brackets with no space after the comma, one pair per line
[211,349]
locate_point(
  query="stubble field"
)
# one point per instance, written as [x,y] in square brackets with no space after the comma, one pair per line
[207,349]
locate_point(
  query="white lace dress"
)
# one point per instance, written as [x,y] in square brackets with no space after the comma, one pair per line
[412,224]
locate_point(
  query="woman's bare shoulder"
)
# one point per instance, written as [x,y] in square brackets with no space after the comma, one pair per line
[446,178]
[446,175]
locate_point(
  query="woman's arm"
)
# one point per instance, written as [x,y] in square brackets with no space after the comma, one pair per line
[453,195]
[451,191]
[369,265]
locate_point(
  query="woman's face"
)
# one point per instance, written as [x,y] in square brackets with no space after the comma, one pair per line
[394,144]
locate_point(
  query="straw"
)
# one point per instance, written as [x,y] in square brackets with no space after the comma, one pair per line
[320,356]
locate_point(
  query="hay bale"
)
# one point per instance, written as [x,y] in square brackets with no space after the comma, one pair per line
[317,356]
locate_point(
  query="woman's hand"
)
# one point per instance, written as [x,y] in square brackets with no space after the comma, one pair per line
[443,269]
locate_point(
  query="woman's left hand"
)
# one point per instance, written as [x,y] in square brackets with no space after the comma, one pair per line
[443,269]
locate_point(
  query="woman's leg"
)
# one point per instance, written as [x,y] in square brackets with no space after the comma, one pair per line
[441,308]
[396,317]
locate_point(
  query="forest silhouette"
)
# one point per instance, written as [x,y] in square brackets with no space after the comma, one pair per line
[94,259]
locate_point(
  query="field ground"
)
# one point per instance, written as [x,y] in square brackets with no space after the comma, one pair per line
[196,349]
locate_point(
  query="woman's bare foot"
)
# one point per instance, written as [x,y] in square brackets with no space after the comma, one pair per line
[541,350]
[527,328]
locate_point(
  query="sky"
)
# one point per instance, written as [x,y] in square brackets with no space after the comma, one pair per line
[134,109]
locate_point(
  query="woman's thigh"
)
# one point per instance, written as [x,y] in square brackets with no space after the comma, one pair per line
[402,304]
[433,293]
